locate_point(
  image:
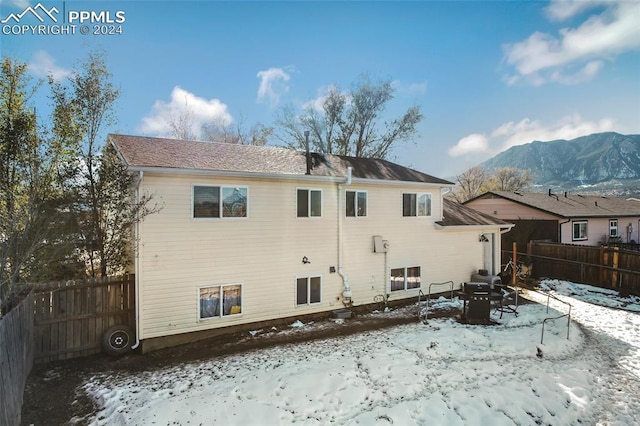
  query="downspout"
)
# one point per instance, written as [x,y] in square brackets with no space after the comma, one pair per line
[137,265]
[346,294]
[560,229]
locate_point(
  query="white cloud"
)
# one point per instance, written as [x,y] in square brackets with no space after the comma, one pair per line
[569,127]
[418,88]
[317,103]
[472,144]
[586,73]
[272,84]
[503,137]
[44,65]
[543,57]
[183,103]
[17,3]
[560,10]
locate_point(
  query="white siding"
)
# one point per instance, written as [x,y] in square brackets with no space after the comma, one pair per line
[264,252]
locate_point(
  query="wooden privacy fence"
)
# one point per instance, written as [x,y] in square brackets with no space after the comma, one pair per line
[71,317]
[607,267]
[16,359]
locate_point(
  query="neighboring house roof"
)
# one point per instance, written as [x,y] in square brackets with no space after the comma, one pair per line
[144,152]
[455,214]
[569,205]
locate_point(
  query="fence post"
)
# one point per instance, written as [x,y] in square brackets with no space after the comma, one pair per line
[614,274]
[515,262]
[602,262]
[605,262]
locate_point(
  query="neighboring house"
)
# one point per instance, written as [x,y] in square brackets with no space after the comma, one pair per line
[563,218]
[250,234]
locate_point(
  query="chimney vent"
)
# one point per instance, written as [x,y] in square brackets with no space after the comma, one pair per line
[308,154]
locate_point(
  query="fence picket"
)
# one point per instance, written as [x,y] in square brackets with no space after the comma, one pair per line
[608,267]
[71,317]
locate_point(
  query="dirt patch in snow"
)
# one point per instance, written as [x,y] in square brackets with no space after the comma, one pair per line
[54,394]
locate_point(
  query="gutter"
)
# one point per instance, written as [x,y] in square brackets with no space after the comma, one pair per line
[346,294]
[467,227]
[136,263]
[280,176]
[225,173]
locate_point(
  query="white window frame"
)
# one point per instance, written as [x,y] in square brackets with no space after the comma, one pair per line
[405,278]
[220,306]
[221,189]
[613,228]
[586,230]
[428,207]
[356,203]
[308,289]
[309,191]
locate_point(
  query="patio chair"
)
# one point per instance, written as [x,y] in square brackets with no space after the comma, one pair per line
[509,302]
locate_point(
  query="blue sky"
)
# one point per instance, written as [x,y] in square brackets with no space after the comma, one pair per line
[487,74]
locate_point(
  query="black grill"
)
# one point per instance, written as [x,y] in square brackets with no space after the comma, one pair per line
[471,288]
[477,297]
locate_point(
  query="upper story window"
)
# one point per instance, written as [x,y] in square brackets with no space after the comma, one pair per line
[416,204]
[356,205]
[580,231]
[219,201]
[613,227]
[309,203]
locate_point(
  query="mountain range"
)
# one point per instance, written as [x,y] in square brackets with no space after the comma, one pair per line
[601,163]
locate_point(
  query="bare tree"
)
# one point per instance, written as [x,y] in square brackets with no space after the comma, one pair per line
[470,183]
[350,123]
[181,126]
[477,180]
[220,131]
[509,179]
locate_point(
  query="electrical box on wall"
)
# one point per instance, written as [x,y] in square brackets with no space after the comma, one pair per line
[379,245]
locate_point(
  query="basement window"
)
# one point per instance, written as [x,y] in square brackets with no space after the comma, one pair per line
[308,290]
[220,301]
[579,231]
[406,278]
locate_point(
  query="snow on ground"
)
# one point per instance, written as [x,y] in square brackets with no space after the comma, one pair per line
[443,373]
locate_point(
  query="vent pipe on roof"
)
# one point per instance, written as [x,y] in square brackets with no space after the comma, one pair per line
[308,154]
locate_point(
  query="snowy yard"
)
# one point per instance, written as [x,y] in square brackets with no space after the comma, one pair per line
[443,373]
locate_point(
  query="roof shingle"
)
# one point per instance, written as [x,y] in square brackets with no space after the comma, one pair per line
[146,152]
[455,214]
[570,205]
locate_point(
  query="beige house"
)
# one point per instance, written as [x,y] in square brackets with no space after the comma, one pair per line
[564,217]
[250,234]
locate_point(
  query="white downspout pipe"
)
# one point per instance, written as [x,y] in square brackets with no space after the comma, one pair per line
[137,265]
[346,294]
